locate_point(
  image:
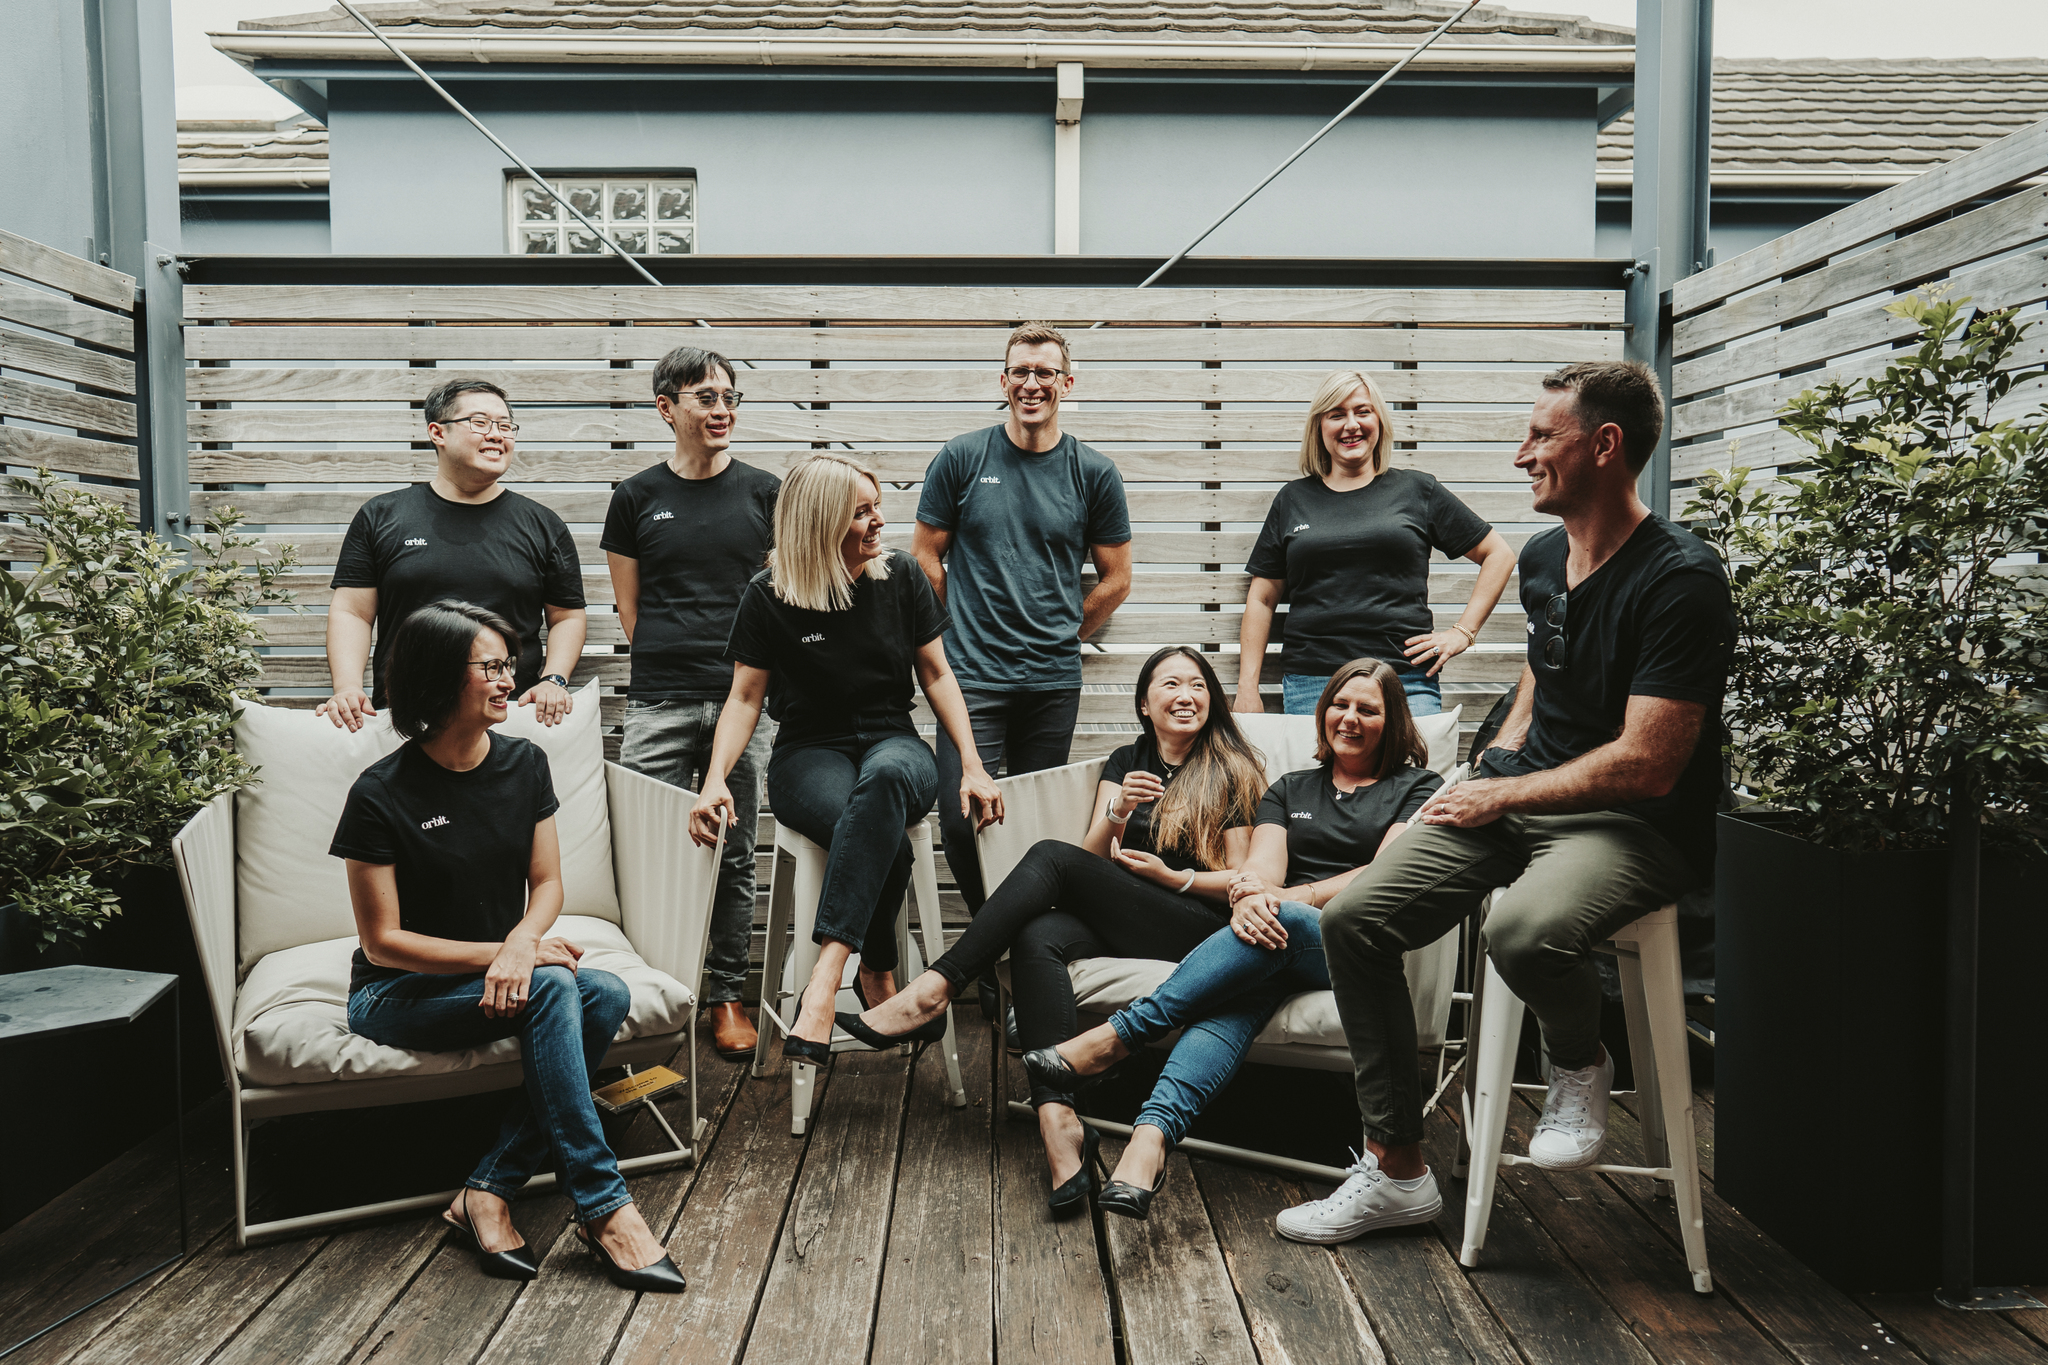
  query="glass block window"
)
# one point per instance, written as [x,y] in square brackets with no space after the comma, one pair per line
[646,215]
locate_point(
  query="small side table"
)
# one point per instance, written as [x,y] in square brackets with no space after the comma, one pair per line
[57,1001]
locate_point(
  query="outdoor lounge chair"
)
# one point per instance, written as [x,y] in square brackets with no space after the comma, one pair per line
[271,916]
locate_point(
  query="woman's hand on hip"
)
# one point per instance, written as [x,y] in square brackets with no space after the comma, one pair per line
[980,787]
[509,978]
[712,813]
[1436,649]
[1256,920]
[1146,865]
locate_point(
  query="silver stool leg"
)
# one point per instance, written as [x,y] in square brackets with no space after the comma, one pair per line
[1490,1074]
[1664,1002]
[925,884]
[780,892]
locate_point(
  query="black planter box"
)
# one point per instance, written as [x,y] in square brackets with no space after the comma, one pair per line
[1829,1056]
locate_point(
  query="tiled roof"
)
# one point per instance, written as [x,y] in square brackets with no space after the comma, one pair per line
[251,152]
[1393,20]
[1825,122]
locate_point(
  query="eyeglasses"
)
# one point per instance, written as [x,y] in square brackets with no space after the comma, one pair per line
[483,424]
[707,399]
[1024,373]
[1557,650]
[495,669]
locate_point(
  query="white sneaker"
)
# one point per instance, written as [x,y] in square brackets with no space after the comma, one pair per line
[1574,1124]
[1367,1199]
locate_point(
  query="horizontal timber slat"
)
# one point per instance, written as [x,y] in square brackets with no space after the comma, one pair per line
[68,454]
[127,499]
[60,270]
[53,313]
[72,364]
[66,407]
[514,303]
[1332,346]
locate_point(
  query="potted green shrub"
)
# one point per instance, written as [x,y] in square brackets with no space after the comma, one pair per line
[1888,682]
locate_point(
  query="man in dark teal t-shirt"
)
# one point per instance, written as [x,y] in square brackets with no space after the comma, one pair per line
[1007,515]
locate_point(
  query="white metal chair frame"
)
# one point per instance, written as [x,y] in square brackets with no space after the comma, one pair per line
[794,885]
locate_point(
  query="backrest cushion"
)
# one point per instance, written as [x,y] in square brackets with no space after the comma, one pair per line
[1289,742]
[288,891]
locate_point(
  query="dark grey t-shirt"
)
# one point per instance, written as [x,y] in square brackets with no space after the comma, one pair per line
[1021,522]
[1329,831]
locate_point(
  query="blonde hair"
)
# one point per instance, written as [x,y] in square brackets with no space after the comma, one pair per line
[1335,388]
[812,515]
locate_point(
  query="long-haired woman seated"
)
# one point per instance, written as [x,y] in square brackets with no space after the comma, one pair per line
[1315,830]
[455,872]
[1173,817]
[830,636]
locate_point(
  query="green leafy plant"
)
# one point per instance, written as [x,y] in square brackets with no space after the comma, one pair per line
[120,662]
[1894,647]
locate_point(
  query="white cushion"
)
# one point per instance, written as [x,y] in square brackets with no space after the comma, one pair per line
[291,1014]
[289,892]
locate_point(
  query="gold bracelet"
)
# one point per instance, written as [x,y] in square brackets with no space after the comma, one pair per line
[1470,638]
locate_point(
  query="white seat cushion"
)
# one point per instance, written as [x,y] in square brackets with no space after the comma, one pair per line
[291,1014]
[1104,985]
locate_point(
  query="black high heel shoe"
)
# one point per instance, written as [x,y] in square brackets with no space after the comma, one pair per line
[795,1049]
[660,1278]
[1073,1195]
[924,1035]
[1050,1071]
[1132,1201]
[516,1264]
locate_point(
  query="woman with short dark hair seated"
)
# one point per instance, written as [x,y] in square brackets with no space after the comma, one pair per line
[1313,826]
[1173,820]
[455,873]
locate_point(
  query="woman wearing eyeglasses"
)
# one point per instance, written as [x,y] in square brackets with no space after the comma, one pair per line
[455,875]
[458,535]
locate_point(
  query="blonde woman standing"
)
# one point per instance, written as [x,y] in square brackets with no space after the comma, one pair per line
[1347,547]
[829,636]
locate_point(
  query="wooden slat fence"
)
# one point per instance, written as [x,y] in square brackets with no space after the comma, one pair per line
[67,378]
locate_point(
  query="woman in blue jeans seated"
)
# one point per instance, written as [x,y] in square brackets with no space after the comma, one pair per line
[830,636]
[1313,826]
[455,873]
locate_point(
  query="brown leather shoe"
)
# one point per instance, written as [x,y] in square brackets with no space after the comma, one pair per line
[732,1033]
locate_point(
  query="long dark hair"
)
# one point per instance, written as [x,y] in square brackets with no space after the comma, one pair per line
[1223,775]
[429,664]
[1400,742]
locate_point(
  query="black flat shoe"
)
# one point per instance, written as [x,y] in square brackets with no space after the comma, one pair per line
[1073,1196]
[1127,1199]
[930,1031]
[660,1278]
[516,1264]
[795,1049]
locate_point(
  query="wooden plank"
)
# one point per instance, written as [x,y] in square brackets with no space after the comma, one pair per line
[1907,261]
[1296,1299]
[49,312]
[125,498]
[1946,1337]
[1421,1307]
[856,303]
[938,1288]
[33,260]
[68,454]
[1174,1296]
[819,1302]
[335,1300]
[1334,347]
[777,424]
[203,1303]
[72,364]
[1990,168]
[66,407]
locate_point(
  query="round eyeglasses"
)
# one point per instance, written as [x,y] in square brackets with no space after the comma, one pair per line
[483,424]
[495,669]
[707,399]
[1024,373]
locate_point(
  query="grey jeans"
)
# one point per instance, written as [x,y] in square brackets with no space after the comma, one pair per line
[670,741]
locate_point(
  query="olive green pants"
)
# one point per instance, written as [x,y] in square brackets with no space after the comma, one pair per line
[1571,881]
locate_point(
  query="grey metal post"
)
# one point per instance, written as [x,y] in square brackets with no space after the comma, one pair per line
[1669,200]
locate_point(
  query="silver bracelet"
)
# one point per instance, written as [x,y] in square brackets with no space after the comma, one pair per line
[1109,814]
[1186,884]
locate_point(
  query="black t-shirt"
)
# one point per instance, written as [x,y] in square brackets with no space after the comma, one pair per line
[1655,620]
[1136,833]
[1329,831]
[510,555]
[835,674]
[1356,565]
[461,842]
[698,541]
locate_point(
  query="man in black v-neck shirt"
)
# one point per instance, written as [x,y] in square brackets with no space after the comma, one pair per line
[1595,807]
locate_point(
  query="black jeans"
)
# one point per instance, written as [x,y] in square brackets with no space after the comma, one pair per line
[1019,732]
[855,797]
[1060,905]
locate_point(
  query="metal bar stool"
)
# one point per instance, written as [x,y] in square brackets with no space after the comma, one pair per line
[793,890]
[1653,995]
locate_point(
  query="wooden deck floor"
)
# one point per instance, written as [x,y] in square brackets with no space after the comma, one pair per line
[902,1230]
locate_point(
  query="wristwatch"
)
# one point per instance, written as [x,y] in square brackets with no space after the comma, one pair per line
[557,679]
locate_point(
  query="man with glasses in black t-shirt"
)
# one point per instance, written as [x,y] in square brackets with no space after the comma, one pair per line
[460,535]
[1594,807]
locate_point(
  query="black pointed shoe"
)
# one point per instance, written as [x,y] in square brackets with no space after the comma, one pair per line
[1050,1071]
[516,1264]
[1130,1200]
[930,1031]
[795,1049]
[660,1278]
[1073,1195]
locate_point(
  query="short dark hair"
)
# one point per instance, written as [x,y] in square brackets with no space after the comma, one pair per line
[1623,392]
[1039,334]
[429,665]
[687,365]
[444,395]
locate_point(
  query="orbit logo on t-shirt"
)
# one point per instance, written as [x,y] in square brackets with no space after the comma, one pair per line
[662,516]
[420,541]
[1297,530]
[1301,815]
[437,820]
[813,639]
[990,478]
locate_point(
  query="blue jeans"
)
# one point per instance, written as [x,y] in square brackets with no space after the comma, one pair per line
[1299,692]
[854,798]
[568,1024]
[1220,995]
[670,741]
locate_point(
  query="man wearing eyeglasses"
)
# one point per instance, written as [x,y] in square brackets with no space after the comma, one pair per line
[1595,806]
[459,535]
[1006,516]
[682,538]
